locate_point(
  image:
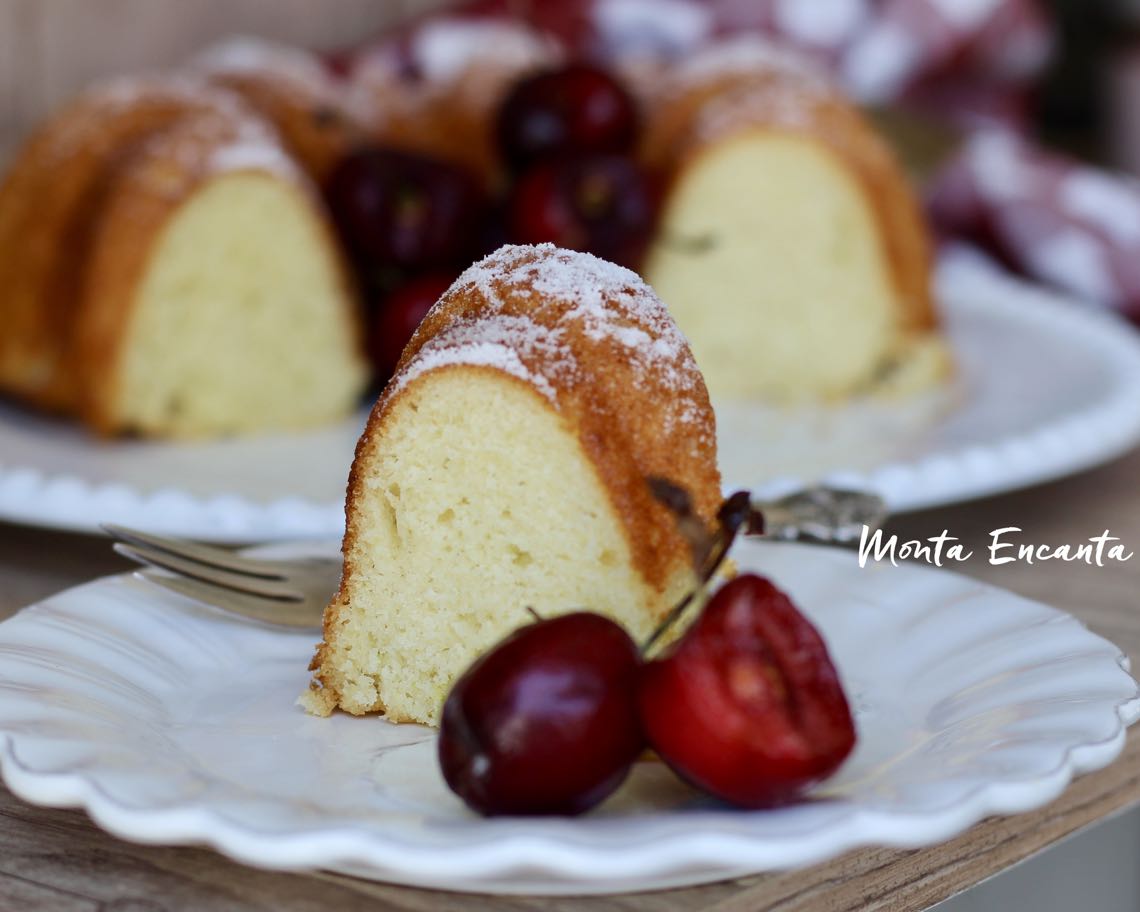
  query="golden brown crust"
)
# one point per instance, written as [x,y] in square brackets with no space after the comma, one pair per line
[49,203]
[688,117]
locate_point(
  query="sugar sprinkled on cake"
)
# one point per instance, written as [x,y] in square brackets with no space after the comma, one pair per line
[253,153]
[768,104]
[254,146]
[748,54]
[597,299]
[608,301]
[87,115]
[128,91]
[215,142]
[500,341]
[744,81]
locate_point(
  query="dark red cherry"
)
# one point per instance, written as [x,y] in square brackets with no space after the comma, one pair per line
[574,110]
[603,204]
[398,316]
[748,705]
[546,722]
[395,209]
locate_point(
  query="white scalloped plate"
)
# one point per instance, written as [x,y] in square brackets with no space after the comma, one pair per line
[1044,388]
[170,723]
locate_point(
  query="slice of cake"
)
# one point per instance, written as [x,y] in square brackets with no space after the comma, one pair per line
[50,198]
[504,468]
[169,270]
[791,250]
[216,301]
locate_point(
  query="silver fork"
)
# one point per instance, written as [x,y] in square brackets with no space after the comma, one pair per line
[293,593]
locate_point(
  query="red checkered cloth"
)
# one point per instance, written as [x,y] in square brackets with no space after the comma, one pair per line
[1046,216]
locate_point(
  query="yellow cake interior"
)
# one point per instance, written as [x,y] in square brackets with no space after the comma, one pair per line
[770,260]
[238,323]
[477,503]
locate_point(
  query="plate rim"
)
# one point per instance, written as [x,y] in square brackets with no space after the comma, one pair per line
[482,869]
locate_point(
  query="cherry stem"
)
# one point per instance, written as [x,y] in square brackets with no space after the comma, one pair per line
[534,614]
[709,549]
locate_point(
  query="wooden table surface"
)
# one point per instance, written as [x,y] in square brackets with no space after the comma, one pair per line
[53,859]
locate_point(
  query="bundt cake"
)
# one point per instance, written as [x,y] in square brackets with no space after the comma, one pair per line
[49,204]
[791,249]
[168,270]
[503,468]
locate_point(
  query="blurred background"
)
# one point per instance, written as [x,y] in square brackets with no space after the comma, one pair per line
[1086,100]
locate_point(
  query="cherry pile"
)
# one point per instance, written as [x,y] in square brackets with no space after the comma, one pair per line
[746,705]
[411,223]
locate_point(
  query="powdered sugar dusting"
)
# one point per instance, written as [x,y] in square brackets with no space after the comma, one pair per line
[589,298]
[253,153]
[747,54]
[770,104]
[488,354]
[210,141]
[607,301]
[127,91]
[500,341]
[86,121]
[785,88]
